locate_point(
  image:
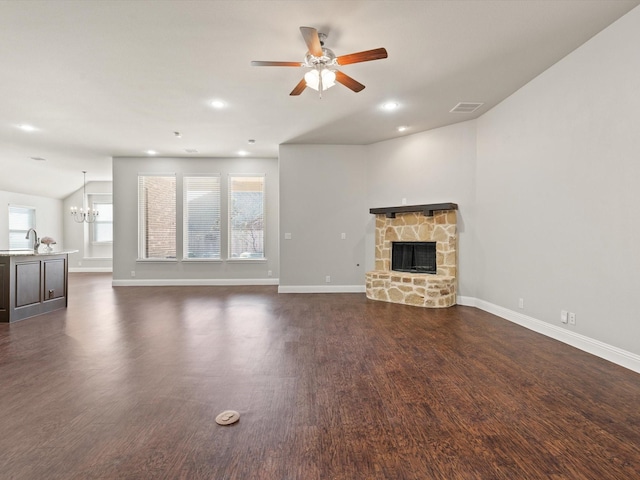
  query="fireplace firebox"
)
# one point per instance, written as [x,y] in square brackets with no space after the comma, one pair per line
[414,257]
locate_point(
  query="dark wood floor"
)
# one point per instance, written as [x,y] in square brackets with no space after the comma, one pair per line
[127,382]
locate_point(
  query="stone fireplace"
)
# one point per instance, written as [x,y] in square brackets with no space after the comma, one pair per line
[415,224]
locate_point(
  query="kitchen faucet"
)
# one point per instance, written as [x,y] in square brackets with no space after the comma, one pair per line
[36,240]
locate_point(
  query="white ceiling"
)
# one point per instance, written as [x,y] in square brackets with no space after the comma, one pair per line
[116,78]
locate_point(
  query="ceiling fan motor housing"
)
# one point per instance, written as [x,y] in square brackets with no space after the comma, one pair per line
[327,59]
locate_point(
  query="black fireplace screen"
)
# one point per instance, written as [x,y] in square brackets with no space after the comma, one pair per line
[414,257]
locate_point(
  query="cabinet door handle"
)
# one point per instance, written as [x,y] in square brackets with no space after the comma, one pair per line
[50,294]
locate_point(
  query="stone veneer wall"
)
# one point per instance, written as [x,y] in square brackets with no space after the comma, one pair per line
[423,290]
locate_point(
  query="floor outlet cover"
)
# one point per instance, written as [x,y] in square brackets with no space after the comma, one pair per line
[227,417]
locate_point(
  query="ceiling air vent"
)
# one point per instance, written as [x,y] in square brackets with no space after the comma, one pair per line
[466,107]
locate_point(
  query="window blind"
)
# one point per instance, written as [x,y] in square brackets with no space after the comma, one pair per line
[201,217]
[103,226]
[21,219]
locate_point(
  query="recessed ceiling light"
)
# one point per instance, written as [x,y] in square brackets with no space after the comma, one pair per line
[390,105]
[151,152]
[217,104]
[243,153]
[402,128]
[38,159]
[27,128]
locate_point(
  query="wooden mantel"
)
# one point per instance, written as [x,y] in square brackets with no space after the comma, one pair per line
[427,210]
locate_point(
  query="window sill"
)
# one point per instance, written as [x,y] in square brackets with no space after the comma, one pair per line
[157,260]
[247,260]
[202,260]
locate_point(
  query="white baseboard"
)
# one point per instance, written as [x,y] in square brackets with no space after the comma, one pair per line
[321,289]
[207,282]
[595,347]
[90,270]
[466,301]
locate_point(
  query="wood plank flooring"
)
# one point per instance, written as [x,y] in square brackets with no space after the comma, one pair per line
[126,384]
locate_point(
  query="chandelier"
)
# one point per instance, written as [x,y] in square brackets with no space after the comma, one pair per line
[84,214]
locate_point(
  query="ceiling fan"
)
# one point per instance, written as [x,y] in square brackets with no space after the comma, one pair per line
[322,63]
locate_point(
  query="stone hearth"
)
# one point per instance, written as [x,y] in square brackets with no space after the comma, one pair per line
[417,223]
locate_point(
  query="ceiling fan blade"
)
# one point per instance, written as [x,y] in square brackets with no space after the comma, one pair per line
[312,40]
[258,63]
[348,82]
[299,87]
[366,56]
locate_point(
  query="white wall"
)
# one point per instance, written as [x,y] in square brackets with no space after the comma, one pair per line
[437,166]
[48,217]
[125,243]
[322,195]
[76,236]
[558,200]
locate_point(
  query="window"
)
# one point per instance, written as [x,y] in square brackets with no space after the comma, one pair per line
[246,216]
[201,216]
[21,219]
[102,228]
[157,216]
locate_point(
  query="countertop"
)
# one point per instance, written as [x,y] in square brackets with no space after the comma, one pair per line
[26,253]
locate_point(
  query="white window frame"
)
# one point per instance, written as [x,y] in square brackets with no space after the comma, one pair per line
[25,244]
[100,199]
[230,245]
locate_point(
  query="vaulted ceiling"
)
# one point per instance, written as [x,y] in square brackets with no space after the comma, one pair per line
[118,78]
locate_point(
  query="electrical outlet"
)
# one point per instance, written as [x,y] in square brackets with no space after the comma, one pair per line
[343,236]
[327,279]
[572,318]
[287,236]
[269,273]
[521,303]
[79,264]
[133,273]
[563,316]
[404,201]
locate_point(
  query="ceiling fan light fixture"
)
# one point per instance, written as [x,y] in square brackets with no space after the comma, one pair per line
[312,78]
[328,78]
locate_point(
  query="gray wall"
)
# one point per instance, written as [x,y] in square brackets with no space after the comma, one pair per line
[547,187]
[558,201]
[429,167]
[322,195]
[48,217]
[125,250]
